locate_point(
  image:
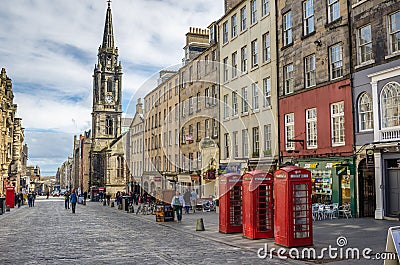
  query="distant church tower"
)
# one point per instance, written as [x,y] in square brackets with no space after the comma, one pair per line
[107,103]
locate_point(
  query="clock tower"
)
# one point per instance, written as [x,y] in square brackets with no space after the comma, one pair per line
[107,101]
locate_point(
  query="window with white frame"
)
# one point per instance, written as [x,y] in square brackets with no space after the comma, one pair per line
[226,145]
[234,64]
[214,128]
[256,142]
[288,78]
[267,140]
[191,74]
[364,44]
[226,113]
[206,64]
[243,59]
[190,105]
[390,105]
[243,18]
[198,101]
[254,53]
[214,94]
[287,29]
[207,128]
[214,59]
[245,143]
[337,123]
[266,47]
[176,110]
[191,131]
[198,131]
[267,91]
[265,7]
[255,102]
[183,108]
[253,8]
[198,69]
[308,16]
[207,97]
[311,128]
[225,69]
[169,138]
[183,79]
[225,32]
[336,60]
[176,137]
[366,120]
[235,145]
[234,104]
[289,131]
[176,86]
[183,136]
[309,70]
[198,155]
[234,25]
[245,106]
[333,10]
[394,32]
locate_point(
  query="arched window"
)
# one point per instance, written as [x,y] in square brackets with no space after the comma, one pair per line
[120,167]
[390,105]
[109,125]
[366,121]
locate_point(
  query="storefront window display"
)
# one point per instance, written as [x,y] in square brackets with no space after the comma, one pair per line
[321,186]
[345,185]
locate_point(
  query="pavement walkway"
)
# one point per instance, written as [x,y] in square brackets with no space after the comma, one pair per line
[343,234]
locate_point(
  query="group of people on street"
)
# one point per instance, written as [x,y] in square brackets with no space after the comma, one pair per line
[31,199]
[70,198]
[189,199]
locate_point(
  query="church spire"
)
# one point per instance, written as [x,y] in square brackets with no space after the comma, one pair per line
[108,37]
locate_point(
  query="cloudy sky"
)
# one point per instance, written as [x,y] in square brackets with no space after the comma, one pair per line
[49,48]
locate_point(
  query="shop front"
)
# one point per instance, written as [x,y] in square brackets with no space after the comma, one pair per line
[332,180]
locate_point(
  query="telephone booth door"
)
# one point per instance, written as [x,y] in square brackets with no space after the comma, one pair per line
[258,209]
[10,196]
[230,203]
[293,207]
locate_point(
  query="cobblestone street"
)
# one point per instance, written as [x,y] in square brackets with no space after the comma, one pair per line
[50,234]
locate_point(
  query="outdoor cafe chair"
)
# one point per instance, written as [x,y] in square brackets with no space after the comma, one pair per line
[345,211]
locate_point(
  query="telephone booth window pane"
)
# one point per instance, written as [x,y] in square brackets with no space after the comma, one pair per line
[301,209]
[235,216]
[264,214]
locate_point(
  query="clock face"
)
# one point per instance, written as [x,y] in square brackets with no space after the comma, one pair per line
[109,99]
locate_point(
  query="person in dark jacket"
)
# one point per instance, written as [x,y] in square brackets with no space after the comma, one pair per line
[73,198]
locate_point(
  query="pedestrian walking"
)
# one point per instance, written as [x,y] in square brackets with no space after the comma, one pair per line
[186,198]
[66,200]
[33,198]
[73,199]
[84,197]
[193,200]
[177,203]
[30,198]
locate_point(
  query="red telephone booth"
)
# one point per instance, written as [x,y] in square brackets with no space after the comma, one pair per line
[10,196]
[230,203]
[258,210]
[293,207]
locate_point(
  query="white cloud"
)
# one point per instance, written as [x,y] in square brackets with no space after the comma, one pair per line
[49,48]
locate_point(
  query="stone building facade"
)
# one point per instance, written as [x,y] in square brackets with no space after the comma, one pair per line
[199,118]
[247,74]
[315,106]
[13,151]
[375,31]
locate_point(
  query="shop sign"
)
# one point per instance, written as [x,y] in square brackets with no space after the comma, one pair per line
[370,158]
[311,165]
[280,176]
